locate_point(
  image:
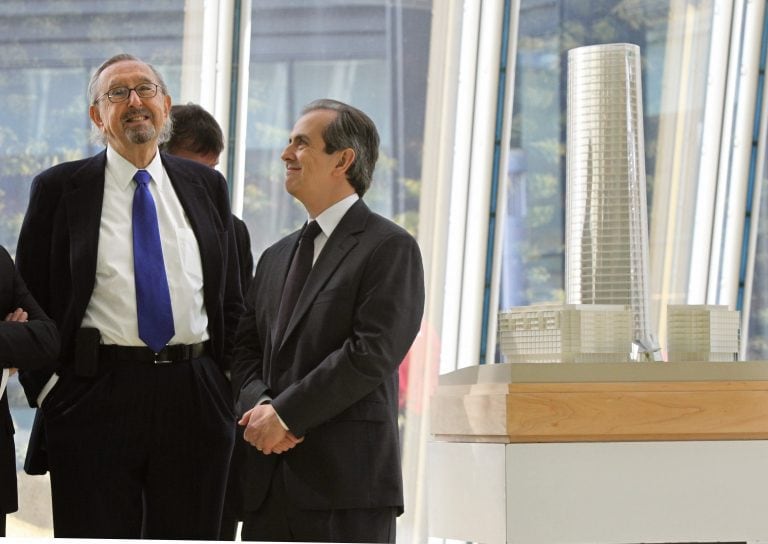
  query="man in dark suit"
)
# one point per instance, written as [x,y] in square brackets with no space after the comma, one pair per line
[131,252]
[29,339]
[319,379]
[197,136]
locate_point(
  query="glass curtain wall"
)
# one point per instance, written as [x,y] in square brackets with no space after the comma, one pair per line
[755,334]
[757,341]
[757,348]
[674,38]
[48,50]
[372,54]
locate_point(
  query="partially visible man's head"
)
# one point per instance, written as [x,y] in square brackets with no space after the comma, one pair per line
[129,103]
[353,129]
[196,135]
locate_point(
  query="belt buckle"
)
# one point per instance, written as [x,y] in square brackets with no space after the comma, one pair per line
[160,360]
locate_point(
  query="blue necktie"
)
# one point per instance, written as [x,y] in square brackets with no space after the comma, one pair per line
[153,300]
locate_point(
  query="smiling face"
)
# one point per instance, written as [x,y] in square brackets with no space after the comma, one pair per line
[135,121]
[316,178]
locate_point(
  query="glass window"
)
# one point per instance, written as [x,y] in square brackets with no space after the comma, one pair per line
[757,347]
[49,50]
[351,51]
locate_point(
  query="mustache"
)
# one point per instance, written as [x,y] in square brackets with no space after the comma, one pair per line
[134,112]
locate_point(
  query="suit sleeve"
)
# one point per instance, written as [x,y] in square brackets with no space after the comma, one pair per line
[388,308]
[33,261]
[233,296]
[33,250]
[247,371]
[29,345]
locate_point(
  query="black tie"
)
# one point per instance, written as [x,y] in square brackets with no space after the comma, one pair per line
[297,275]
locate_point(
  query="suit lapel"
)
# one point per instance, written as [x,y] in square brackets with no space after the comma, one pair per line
[83,196]
[193,197]
[341,242]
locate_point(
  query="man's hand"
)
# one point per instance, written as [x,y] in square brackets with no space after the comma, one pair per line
[264,431]
[17,315]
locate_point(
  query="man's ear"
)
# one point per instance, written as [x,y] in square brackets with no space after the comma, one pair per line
[346,158]
[95,115]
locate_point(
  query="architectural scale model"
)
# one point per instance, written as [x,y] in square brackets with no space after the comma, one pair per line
[606,318]
[606,242]
[702,333]
[570,333]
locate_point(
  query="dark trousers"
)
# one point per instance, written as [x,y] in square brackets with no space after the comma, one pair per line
[278,520]
[2,525]
[140,451]
[233,498]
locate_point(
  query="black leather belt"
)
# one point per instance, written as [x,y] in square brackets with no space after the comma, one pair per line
[177,353]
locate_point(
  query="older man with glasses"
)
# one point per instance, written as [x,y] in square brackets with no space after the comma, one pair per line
[131,252]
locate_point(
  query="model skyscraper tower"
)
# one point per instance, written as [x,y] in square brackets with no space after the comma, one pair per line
[606,249]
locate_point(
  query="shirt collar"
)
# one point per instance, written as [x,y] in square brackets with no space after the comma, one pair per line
[123,170]
[331,217]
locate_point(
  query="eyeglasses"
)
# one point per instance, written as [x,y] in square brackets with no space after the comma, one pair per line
[121,94]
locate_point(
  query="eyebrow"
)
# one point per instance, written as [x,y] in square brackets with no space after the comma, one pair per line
[300,138]
[124,84]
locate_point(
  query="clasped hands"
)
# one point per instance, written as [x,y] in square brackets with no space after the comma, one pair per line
[264,431]
[20,316]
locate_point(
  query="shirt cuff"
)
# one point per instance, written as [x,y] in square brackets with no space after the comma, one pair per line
[266,399]
[47,389]
[4,380]
[281,421]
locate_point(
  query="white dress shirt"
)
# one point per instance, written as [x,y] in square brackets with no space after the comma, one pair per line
[329,219]
[112,308]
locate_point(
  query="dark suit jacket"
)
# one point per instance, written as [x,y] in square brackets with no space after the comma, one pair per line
[59,238]
[28,345]
[333,377]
